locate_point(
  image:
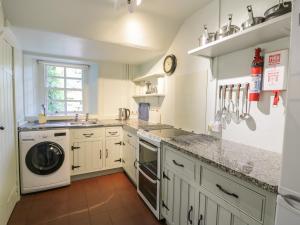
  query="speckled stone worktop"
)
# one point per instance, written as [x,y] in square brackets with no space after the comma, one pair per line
[257,166]
[133,124]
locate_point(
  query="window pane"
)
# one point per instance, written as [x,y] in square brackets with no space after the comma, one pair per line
[54,94]
[74,72]
[74,106]
[74,95]
[56,107]
[55,71]
[55,82]
[74,84]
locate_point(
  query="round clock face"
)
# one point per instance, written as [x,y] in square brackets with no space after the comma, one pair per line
[170,64]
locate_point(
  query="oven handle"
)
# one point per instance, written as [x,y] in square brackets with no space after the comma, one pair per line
[148,146]
[149,178]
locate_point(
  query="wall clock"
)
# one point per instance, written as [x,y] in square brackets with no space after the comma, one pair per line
[170,64]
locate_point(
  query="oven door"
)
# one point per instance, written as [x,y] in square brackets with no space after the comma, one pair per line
[149,158]
[149,190]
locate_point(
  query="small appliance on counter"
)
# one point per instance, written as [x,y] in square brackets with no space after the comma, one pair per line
[124,114]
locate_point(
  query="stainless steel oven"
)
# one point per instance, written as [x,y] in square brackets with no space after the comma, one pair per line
[148,183]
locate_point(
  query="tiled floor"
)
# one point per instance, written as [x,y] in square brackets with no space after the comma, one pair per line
[106,200]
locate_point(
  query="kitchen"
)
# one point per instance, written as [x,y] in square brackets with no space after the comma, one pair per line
[177,119]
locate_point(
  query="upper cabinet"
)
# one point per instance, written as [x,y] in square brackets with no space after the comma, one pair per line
[267,31]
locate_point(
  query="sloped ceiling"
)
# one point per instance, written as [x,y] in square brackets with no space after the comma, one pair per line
[97,23]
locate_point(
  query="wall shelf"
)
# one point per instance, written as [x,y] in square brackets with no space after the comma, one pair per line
[148,77]
[268,31]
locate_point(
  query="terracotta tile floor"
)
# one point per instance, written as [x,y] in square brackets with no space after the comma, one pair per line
[106,200]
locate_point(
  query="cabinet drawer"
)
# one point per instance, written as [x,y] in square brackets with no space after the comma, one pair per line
[130,138]
[180,163]
[88,133]
[113,132]
[247,200]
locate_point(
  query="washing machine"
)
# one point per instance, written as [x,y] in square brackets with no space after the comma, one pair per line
[44,160]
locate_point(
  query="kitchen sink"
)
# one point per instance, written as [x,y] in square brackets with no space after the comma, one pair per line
[85,123]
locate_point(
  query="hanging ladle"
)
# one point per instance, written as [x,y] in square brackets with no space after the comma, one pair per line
[245,114]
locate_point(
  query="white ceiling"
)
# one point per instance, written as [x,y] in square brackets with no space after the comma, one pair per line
[95,25]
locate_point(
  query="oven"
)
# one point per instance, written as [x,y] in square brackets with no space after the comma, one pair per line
[148,182]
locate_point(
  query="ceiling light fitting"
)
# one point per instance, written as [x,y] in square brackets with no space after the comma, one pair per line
[132,4]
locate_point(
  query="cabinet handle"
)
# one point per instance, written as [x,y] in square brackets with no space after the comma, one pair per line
[129,136]
[226,192]
[75,167]
[134,164]
[200,221]
[100,154]
[106,153]
[189,215]
[178,164]
[165,176]
[110,132]
[88,135]
[165,206]
[118,143]
[73,148]
[2,128]
[118,160]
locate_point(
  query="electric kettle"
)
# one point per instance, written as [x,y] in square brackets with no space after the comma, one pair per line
[124,114]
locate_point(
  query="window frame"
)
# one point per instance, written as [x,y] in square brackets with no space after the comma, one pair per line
[65,89]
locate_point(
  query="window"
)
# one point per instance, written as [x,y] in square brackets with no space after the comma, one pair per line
[64,86]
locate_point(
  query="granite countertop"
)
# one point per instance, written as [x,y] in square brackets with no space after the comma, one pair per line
[257,166]
[133,123]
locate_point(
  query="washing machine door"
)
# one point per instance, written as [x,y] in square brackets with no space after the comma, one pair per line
[45,158]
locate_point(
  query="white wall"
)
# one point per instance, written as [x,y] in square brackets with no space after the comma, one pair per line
[186,105]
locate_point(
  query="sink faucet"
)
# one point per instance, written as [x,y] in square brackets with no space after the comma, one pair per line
[86,117]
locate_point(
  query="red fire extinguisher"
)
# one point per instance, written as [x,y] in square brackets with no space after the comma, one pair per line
[256,76]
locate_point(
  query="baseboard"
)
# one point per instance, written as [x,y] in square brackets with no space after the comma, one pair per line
[8,207]
[96,174]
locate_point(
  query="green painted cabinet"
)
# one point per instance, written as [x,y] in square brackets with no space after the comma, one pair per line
[178,199]
[196,193]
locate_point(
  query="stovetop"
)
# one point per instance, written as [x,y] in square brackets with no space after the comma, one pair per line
[155,127]
[155,136]
[169,133]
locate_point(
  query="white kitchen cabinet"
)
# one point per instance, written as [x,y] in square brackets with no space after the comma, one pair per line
[130,147]
[87,150]
[113,152]
[87,156]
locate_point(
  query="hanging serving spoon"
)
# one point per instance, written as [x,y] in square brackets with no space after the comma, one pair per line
[224,109]
[236,115]
[219,112]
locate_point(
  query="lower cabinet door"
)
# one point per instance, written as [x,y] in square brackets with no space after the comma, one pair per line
[78,158]
[87,157]
[212,213]
[129,160]
[167,195]
[179,200]
[113,152]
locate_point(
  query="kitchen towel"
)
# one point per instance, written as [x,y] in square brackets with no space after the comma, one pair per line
[144,111]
